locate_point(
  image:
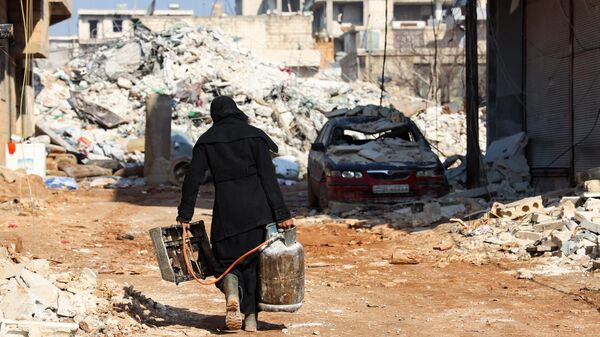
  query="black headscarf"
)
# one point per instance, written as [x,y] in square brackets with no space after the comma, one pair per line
[231,124]
[224,107]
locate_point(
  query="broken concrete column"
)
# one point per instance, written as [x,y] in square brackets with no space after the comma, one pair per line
[158,139]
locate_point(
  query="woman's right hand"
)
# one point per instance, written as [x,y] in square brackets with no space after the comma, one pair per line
[287,224]
[184,225]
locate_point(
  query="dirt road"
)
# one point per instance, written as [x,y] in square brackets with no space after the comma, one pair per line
[351,287]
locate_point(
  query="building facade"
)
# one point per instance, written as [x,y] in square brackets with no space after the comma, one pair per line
[100,25]
[425,50]
[16,91]
[281,7]
[282,37]
[544,65]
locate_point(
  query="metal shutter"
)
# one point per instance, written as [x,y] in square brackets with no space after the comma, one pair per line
[547,80]
[586,82]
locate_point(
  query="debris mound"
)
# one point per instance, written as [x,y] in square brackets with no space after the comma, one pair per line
[19,188]
[74,302]
[96,104]
[564,230]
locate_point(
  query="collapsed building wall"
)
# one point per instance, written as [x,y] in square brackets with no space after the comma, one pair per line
[285,40]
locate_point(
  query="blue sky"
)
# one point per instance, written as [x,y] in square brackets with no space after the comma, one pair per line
[200,7]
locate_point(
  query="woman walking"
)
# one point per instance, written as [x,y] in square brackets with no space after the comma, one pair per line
[247,197]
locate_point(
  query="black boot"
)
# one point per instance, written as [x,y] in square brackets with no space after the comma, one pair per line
[233,316]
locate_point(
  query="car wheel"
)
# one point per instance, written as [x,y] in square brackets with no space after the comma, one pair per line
[323,201]
[313,200]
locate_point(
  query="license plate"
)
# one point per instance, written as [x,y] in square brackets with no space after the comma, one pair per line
[385,189]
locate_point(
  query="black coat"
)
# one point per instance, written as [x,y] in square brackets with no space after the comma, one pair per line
[247,194]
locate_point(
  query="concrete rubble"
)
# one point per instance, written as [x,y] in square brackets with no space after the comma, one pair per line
[20,189]
[36,300]
[95,106]
[410,214]
[381,149]
[505,171]
[565,231]
[445,128]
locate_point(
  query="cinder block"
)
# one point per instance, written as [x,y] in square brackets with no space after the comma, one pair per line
[519,208]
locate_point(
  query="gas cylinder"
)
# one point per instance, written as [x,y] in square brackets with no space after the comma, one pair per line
[281,272]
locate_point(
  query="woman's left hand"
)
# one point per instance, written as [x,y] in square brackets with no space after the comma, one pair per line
[287,224]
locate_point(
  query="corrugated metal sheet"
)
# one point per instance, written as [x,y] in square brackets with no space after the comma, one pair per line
[548,76]
[586,82]
[586,24]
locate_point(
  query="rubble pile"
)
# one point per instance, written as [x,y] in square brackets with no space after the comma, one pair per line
[30,292]
[565,230]
[386,149]
[411,214]
[19,188]
[505,170]
[96,105]
[446,129]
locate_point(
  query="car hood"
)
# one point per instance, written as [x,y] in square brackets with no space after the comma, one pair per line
[394,152]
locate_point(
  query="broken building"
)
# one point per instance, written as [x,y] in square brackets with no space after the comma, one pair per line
[16,92]
[282,7]
[544,64]
[99,25]
[285,40]
[425,50]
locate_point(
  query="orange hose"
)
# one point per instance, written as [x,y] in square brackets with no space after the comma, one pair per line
[207,283]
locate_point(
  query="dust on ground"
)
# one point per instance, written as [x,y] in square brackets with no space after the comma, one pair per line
[352,289]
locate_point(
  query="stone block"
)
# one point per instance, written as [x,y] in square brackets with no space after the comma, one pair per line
[18,304]
[39,266]
[571,225]
[568,209]
[548,225]
[11,270]
[561,237]
[65,305]
[587,216]
[592,205]
[592,186]
[41,289]
[432,212]
[590,226]
[505,147]
[540,217]
[402,257]
[124,83]
[528,235]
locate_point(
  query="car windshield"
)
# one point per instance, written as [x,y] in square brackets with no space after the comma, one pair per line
[378,141]
[350,136]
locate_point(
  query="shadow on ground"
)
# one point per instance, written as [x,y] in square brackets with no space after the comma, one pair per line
[147,311]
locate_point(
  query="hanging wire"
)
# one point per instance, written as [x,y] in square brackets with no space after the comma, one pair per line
[385,41]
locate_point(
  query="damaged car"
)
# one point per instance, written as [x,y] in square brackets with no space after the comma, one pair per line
[372,159]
